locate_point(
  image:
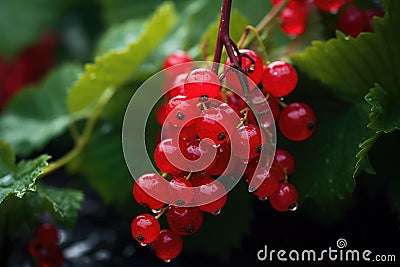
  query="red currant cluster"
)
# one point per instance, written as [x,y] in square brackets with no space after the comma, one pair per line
[352,20]
[43,247]
[208,132]
[28,67]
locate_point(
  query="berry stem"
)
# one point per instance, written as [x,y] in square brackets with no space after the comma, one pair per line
[266,21]
[162,212]
[250,28]
[223,39]
[281,103]
[83,138]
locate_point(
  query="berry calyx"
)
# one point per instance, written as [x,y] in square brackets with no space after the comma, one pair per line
[279,79]
[297,121]
[180,111]
[285,198]
[145,228]
[168,245]
[185,220]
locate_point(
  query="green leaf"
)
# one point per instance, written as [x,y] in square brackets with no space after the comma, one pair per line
[38,113]
[116,67]
[64,202]
[219,235]
[18,179]
[209,39]
[385,110]
[22,22]
[103,165]
[325,162]
[363,162]
[350,67]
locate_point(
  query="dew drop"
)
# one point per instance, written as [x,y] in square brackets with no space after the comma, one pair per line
[293,206]
[156,211]
[215,213]
[263,198]
[142,244]
[167,261]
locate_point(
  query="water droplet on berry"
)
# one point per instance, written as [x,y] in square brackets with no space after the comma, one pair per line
[142,244]
[156,211]
[293,206]
[167,261]
[215,213]
[263,198]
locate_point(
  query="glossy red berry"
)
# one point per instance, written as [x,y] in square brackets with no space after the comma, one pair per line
[297,121]
[178,57]
[247,142]
[155,185]
[214,126]
[285,160]
[251,62]
[221,161]
[166,156]
[202,84]
[167,245]
[370,14]
[294,18]
[210,189]
[185,220]
[352,20]
[180,111]
[268,181]
[280,78]
[180,191]
[47,235]
[285,198]
[197,177]
[50,257]
[145,228]
[161,113]
[329,5]
[174,85]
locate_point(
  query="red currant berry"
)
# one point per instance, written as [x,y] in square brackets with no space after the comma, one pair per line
[280,78]
[174,85]
[285,160]
[178,57]
[166,156]
[297,121]
[185,220]
[181,111]
[167,245]
[370,14]
[268,181]
[154,184]
[50,257]
[210,189]
[197,177]
[47,235]
[247,142]
[145,228]
[186,133]
[329,5]
[294,18]
[180,191]
[221,161]
[214,126]
[202,84]
[250,62]
[161,113]
[34,247]
[285,198]
[352,20]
